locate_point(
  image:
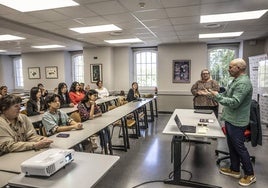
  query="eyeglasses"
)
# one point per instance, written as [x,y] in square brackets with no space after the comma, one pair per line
[205,73]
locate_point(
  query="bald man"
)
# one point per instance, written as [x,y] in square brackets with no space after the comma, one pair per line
[236,113]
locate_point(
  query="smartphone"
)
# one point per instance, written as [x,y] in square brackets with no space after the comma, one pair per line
[63,135]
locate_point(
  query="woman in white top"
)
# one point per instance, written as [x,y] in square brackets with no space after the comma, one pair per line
[102,91]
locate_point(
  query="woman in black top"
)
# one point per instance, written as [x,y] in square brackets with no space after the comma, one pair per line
[36,104]
[133,93]
[64,96]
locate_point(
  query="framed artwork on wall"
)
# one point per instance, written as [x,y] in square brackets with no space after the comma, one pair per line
[95,72]
[181,72]
[51,72]
[34,73]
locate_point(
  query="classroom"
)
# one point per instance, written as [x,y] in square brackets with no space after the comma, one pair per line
[171,48]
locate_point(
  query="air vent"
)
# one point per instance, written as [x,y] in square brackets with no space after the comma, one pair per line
[212,26]
[116,33]
[51,169]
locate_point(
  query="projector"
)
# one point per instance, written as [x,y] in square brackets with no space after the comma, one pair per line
[47,162]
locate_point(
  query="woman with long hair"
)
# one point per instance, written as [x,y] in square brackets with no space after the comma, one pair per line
[35,105]
[75,93]
[64,95]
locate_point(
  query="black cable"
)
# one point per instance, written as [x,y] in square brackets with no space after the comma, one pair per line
[170,176]
[171,173]
[152,181]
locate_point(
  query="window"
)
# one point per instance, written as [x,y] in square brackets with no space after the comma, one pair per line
[78,67]
[145,63]
[18,72]
[219,57]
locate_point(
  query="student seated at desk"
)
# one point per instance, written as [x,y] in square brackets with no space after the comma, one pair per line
[56,120]
[102,91]
[88,109]
[64,96]
[16,130]
[44,92]
[3,91]
[36,104]
[133,93]
[75,93]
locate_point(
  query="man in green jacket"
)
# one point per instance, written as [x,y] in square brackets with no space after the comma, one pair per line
[236,113]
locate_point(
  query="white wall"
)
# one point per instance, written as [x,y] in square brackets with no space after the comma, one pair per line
[178,95]
[6,72]
[197,53]
[105,57]
[122,67]
[253,48]
[42,60]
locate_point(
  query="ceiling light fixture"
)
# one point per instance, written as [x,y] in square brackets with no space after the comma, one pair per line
[120,41]
[34,5]
[220,35]
[95,29]
[10,37]
[48,46]
[2,51]
[232,16]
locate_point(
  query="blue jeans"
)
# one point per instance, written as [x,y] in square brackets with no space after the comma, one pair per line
[237,149]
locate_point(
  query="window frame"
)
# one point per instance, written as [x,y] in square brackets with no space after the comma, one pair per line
[15,60]
[80,67]
[233,46]
[135,76]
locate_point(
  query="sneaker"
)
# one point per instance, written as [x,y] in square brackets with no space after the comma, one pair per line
[247,180]
[229,172]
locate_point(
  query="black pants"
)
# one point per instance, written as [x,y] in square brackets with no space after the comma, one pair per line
[214,108]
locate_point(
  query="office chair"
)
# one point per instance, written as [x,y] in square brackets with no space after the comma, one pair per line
[247,135]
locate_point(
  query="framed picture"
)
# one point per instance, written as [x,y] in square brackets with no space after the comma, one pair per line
[181,71]
[95,72]
[34,73]
[51,72]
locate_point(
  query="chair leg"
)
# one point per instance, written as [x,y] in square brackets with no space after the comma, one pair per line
[217,152]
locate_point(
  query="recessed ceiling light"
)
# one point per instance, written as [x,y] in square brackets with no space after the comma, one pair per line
[3,51]
[95,29]
[120,41]
[48,46]
[10,37]
[34,5]
[220,35]
[232,16]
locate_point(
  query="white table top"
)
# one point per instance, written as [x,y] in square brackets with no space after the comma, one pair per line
[93,126]
[83,172]
[106,99]
[11,161]
[188,117]
[4,177]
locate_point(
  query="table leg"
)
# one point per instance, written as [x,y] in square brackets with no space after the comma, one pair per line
[176,143]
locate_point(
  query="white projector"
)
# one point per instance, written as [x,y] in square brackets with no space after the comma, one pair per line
[47,162]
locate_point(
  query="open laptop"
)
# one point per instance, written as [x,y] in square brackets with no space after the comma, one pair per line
[184,128]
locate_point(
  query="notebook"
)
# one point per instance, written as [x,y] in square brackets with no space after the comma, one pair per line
[184,128]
